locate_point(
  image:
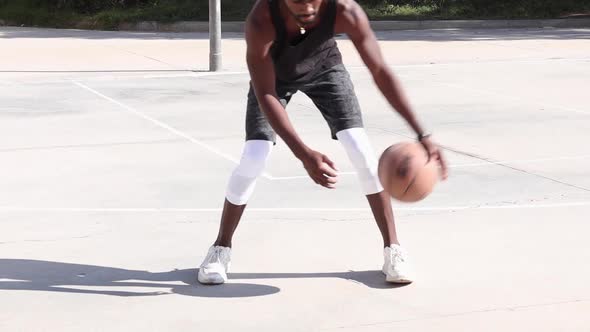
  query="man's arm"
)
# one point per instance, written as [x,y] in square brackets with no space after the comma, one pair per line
[358,29]
[354,22]
[259,39]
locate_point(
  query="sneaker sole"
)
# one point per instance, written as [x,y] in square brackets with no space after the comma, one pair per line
[210,282]
[206,281]
[398,281]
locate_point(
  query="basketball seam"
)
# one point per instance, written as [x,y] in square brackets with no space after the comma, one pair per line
[412,182]
[409,185]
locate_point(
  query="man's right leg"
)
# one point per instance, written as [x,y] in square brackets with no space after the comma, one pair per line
[260,139]
[241,185]
[230,217]
[240,188]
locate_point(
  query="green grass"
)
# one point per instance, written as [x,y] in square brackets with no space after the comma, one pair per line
[25,13]
[34,13]
[389,11]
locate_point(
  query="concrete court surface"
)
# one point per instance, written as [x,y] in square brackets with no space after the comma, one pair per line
[115,149]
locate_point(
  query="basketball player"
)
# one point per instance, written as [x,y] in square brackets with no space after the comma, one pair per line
[290,48]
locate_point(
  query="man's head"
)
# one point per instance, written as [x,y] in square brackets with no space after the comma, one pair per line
[305,12]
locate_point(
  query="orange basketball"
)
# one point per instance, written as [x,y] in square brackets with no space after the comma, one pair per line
[405,173]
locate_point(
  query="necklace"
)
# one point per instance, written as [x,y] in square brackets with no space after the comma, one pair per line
[301,29]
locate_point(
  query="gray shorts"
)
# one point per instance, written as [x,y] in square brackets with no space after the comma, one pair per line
[330,90]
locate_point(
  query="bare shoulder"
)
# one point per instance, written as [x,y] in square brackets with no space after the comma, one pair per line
[349,15]
[258,25]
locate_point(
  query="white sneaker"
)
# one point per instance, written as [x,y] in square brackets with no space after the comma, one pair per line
[396,266]
[213,270]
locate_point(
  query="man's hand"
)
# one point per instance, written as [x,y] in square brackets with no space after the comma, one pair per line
[320,168]
[434,153]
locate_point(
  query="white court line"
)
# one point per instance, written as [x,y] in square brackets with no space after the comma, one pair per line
[192,73]
[158,123]
[12,280]
[363,67]
[163,125]
[218,210]
[485,163]
[278,178]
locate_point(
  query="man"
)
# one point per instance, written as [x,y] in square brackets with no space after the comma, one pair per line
[290,48]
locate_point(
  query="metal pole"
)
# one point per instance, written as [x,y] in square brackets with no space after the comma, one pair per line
[214,35]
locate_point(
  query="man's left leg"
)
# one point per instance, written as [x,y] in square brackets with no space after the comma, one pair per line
[381,207]
[359,150]
[332,91]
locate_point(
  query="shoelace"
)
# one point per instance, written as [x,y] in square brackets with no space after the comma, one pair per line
[215,255]
[397,255]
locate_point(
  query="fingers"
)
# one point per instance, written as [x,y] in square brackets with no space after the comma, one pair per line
[438,156]
[443,165]
[324,180]
[329,162]
[328,170]
[435,153]
[428,151]
[432,155]
[321,170]
[329,182]
[325,176]
[431,151]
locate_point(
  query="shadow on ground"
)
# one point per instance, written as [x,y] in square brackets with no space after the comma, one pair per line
[46,276]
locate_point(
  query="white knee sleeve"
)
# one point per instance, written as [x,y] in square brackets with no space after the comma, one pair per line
[361,154]
[243,179]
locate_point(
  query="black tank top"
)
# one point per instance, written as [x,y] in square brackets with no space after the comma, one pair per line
[299,60]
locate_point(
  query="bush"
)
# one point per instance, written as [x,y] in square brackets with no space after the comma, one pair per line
[478,8]
[512,8]
[109,13]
